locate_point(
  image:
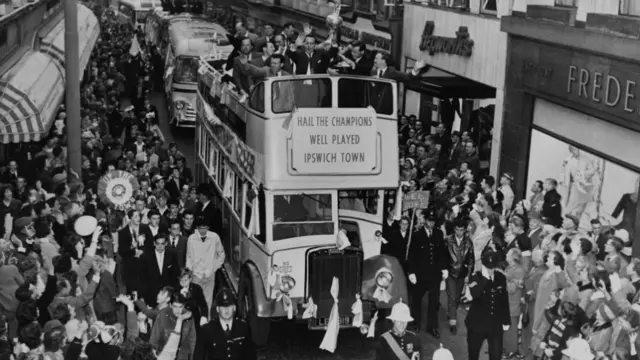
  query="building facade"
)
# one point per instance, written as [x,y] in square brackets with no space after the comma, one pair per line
[572,107]
[462,42]
[32,73]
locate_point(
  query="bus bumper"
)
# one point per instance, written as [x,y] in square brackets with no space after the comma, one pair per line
[184,119]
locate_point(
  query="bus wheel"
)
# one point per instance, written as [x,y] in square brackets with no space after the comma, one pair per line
[174,126]
[260,327]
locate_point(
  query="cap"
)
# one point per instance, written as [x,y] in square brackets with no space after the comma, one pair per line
[605,312]
[203,189]
[573,218]
[225,297]
[23,222]
[508,176]
[490,259]
[52,325]
[431,215]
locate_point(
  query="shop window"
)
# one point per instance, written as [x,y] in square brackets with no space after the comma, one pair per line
[363,5]
[489,7]
[629,8]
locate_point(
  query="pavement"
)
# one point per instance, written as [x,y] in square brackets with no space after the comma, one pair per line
[290,340]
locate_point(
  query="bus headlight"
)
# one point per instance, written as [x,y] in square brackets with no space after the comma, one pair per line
[286,284]
[179,105]
[384,279]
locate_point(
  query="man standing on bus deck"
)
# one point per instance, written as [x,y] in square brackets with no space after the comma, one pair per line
[205,255]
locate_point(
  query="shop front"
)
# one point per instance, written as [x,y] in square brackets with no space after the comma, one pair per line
[573,115]
[463,89]
[33,88]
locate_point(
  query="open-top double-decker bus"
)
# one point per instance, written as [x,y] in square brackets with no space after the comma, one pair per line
[300,171]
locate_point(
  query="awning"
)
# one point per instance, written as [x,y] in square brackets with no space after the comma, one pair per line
[444,85]
[30,94]
[88,32]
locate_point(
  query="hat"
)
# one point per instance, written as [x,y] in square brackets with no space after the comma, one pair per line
[606,313]
[130,108]
[623,235]
[442,354]
[157,178]
[42,229]
[203,189]
[431,215]
[490,259]
[573,218]
[400,312]
[508,176]
[578,349]
[225,298]
[534,215]
[201,221]
[52,325]
[22,223]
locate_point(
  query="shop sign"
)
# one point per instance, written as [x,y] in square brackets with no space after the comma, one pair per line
[334,141]
[460,45]
[366,38]
[608,85]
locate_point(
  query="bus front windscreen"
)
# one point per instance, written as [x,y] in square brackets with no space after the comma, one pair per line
[299,215]
[186,70]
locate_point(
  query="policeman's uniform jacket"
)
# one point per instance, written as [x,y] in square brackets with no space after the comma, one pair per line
[214,344]
[392,346]
[489,309]
[428,256]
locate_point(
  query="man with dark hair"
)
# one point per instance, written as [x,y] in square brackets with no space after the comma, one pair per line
[159,269]
[166,321]
[461,262]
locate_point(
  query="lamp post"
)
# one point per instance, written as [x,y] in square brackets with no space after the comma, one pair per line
[72,85]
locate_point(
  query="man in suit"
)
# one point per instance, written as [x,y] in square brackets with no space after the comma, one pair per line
[283,49]
[488,317]
[133,241]
[240,78]
[396,242]
[453,154]
[520,241]
[535,229]
[178,243]
[267,37]
[599,238]
[282,92]
[242,32]
[382,96]
[207,211]
[427,264]
[288,31]
[225,337]
[266,49]
[361,64]
[159,269]
[309,57]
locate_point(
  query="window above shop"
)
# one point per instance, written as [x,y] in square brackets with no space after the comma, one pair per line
[489,7]
[451,4]
[382,9]
[630,7]
[566,3]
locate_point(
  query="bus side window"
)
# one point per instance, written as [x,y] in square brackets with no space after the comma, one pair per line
[256,101]
[353,231]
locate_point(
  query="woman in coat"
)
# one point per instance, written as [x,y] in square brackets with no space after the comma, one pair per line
[515,286]
[552,281]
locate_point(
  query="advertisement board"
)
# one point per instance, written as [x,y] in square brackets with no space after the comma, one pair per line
[334,141]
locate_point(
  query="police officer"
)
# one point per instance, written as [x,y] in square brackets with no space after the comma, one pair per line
[488,315]
[225,337]
[398,343]
[427,265]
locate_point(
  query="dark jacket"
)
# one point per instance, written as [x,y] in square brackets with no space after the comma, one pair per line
[152,280]
[318,62]
[489,309]
[461,258]
[427,256]
[214,344]
[552,208]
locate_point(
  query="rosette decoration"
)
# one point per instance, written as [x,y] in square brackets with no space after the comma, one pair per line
[330,339]
[280,288]
[384,278]
[311,309]
[117,188]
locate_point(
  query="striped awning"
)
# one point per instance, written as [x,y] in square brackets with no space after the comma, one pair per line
[30,93]
[52,43]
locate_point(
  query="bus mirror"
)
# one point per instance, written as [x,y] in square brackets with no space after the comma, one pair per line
[169,72]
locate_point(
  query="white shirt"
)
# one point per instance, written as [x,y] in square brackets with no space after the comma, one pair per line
[204,206]
[486,274]
[154,230]
[226,324]
[381,72]
[160,260]
[459,240]
[173,240]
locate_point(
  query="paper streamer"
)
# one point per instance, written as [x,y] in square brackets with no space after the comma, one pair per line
[372,326]
[356,310]
[330,339]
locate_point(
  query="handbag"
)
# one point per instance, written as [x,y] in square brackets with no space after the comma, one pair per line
[526,319]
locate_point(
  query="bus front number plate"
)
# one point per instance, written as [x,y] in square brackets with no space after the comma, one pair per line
[323,322]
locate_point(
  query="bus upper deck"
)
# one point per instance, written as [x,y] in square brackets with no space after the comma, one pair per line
[309,132]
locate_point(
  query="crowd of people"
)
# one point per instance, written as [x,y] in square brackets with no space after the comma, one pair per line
[80,279]
[571,293]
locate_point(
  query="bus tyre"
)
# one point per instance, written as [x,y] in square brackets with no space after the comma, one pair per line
[174,126]
[260,327]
